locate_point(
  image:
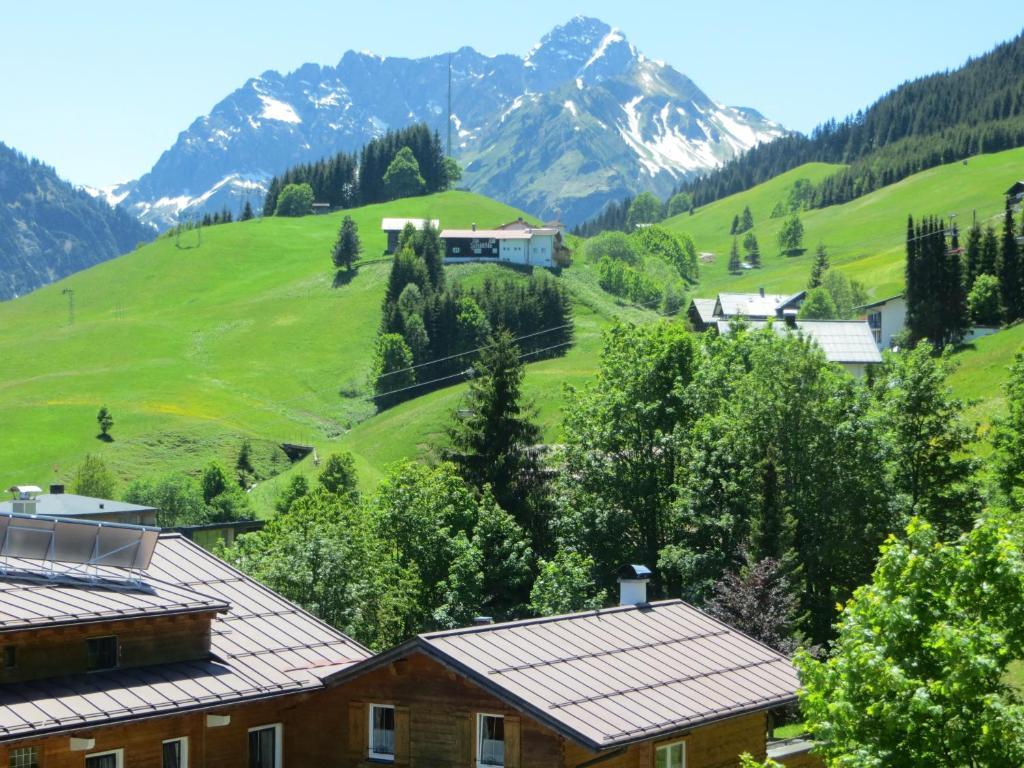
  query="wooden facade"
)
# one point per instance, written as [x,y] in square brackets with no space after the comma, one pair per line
[435,724]
[46,652]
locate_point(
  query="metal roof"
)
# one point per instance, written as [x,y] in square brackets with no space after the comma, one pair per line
[392,225]
[880,302]
[73,505]
[488,234]
[262,646]
[843,341]
[705,309]
[611,677]
[750,304]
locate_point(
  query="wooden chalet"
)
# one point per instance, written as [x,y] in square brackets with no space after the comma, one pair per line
[642,685]
[392,228]
[168,658]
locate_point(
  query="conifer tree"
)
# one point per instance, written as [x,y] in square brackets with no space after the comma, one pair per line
[734,259]
[989,263]
[735,225]
[493,432]
[347,248]
[972,256]
[430,250]
[247,211]
[819,267]
[1011,279]
[747,221]
[753,250]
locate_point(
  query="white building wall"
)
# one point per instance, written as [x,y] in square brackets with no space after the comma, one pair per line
[542,249]
[514,251]
[893,314]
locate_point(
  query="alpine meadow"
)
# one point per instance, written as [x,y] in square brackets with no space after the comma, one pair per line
[515,409]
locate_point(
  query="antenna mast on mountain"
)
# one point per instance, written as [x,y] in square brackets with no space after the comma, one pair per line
[449,105]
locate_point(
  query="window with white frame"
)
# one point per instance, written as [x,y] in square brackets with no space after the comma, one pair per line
[671,756]
[23,757]
[112,759]
[382,732]
[490,740]
[175,753]
[265,746]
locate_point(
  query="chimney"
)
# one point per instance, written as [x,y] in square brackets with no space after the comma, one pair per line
[482,621]
[633,584]
[473,226]
[761,289]
[56,489]
[25,501]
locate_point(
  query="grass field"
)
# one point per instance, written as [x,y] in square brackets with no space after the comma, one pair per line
[194,347]
[864,237]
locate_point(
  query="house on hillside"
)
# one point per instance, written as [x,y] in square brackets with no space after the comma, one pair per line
[885,317]
[126,647]
[705,313]
[888,317]
[1016,193]
[518,243]
[850,343]
[30,499]
[393,229]
[641,685]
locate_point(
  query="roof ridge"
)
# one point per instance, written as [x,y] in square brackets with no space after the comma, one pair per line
[548,619]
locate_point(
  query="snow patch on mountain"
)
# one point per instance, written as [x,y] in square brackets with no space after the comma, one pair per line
[278,110]
[612,37]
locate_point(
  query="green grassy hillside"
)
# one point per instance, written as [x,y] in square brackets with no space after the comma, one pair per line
[195,346]
[865,237]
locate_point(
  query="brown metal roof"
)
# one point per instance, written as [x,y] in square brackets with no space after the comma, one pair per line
[30,598]
[262,646]
[610,677]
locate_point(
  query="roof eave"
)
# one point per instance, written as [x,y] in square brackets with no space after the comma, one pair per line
[76,622]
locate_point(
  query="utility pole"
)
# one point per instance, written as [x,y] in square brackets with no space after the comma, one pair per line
[449,105]
[70,293]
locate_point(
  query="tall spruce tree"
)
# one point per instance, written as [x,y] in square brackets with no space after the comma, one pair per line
[989,263]
[493,433]
[429,248]
[734,259]
[747,220]
[752,249]
[972,256]
[247,211]
[819,267]
[735,225]
[347,248]
[1011,277]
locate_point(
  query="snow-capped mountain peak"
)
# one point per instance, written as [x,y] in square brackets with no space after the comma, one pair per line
[581,119]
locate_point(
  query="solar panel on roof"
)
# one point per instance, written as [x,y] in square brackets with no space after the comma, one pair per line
[76,541]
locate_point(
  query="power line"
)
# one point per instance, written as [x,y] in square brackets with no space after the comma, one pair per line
[457,375]
[471,351]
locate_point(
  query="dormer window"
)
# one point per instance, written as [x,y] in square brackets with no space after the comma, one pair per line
[102,653]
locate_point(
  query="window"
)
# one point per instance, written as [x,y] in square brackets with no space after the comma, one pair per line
[23,757]
[175,753]
[10,657]
[382,732]
[490,740]
[112,759]
[102,653]
[671,756]
[455,249]
[265,746]
[875,324]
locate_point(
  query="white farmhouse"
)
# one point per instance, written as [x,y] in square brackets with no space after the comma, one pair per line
[534,246]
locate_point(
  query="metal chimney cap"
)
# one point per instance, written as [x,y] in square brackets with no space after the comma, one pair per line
[482,621]
[634,573]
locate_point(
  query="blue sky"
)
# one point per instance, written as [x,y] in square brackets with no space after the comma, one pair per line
[100,89]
